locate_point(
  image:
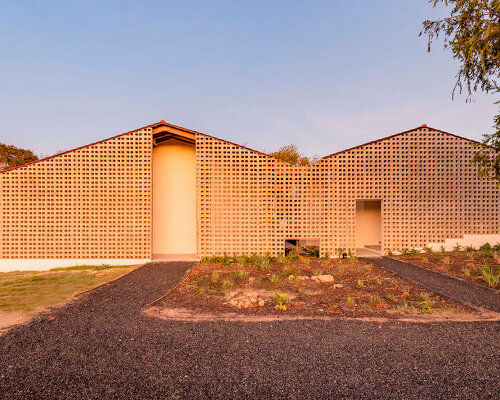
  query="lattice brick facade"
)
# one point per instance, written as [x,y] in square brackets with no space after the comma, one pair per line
[249,202]
[89,203]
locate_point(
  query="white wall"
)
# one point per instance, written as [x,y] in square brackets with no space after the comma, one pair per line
[174,201]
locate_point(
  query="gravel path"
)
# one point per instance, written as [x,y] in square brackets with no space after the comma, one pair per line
[446,285]
[101,346]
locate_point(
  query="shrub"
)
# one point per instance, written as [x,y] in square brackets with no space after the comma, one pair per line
[241,261]
[492,278]
[263,262]
[351,301]
[360,283]
[240,274]
[226,260]
[374,300]
[282,300]
[211,260]
[312,251]
[275,279]
[287,271]
[466,271]
[282,260]
[293,255]
[414,252]
[227,284]
[486,247]
[428,250]
[317,272]
[457,248]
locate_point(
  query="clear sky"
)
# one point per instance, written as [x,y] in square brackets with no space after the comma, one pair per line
[325,75]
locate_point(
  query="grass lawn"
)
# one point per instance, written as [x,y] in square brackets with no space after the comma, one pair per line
[302,286]
[481,265]
[23,293]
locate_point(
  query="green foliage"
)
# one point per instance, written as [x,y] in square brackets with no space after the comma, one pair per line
[211,260]
[492,278]
[290,154]
[414,252]
[293,255]
[427,303]
[340,251]
[379,281]
[428,250]
[360,283]
[241,261]
[472,33]
[374,300]
[486,247]
[318,272]
[326,257]
[92,267]
[466,271]
[282,260]
[287,271]
[263,262]
[226,260]
[11,156]
[282,300]
[351,302]
[341,270]
[214,276]
[312,251]
[457,248]
[389,252]
[227,284]
[352,258]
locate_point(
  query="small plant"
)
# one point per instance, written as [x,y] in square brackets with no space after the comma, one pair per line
[326,257]
[351,302]
[413,252]
[312,251]
[240,274]
[496,247]
[35,279]
[379,281]
[466,271]
[227,284]
[496,257]
[392,297]
[241,261]
[439,257]
[287,271]
[425,259]
[428,250]
[282,260]
[282,300]
[447,260]
[352,258]
[263,262]
[293,255]
[340,269]
[374,300]
[492,278]
[275,279]
[214,277]
[486,247]
[405,252]
[389,252]
[457,248]
[442,249]
[406,293]
[226,260]
[360,284]
[427,303]
[340,252]
[306,261]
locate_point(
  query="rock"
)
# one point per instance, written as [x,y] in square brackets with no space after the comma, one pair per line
[325,278]
[251,279]
[261,303]
[253,300]
[290,277]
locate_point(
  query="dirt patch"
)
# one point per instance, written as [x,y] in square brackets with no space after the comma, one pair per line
[300,288]
[480,267]
[11,318]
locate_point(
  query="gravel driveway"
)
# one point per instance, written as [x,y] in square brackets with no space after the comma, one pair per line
[101,346]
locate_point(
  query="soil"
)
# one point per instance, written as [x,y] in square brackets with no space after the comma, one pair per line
[359,290]
[11,318]
[457,264]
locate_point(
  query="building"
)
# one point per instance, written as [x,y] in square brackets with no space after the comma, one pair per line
[166,192]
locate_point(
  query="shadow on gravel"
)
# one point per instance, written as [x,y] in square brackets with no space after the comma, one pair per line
[102,346]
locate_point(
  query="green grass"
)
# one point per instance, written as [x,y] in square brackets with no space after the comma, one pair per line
[30,291]
[91,267]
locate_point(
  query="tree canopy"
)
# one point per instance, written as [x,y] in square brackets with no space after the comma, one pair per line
[11,156]
[290,154]
[472,33]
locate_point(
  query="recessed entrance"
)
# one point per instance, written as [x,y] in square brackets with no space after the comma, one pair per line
[368,227]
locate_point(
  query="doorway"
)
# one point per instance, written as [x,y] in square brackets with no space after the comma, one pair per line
[368,228]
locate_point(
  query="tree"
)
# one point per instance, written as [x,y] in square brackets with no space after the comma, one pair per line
[472,33]
[291,155]
[11,156]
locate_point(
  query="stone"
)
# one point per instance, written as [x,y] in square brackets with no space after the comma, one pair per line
[261,303]
[325,278]
[290,277]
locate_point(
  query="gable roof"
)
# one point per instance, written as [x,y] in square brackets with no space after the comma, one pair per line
[162,123]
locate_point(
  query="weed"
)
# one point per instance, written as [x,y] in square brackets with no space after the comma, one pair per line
[389,252]
[496,257]
[326,257]
[439,257]
[457,248]
[35,279]
[275,279]
[466,271]
[492,278]
[352,258]
[226,260]
[293,256]
[282,260]
[282,300]
[486,254]
[211,260]
[428,250]
[496,247]
[340,270]
[486,247]
[227,284]
[214,277]
[351,301]
[413,252]
[442,249]
[287,271]
[240,274]
[263,262]
[406,293]
[470,251]
[312,251]
[360,284]
[340,252]
[425,259]
[447,260]
[306,261]
[317,272]
[241,261]
[374,300]
[392,297]
[379,281]
[427,303]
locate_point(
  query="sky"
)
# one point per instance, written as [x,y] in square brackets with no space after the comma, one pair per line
[324,75]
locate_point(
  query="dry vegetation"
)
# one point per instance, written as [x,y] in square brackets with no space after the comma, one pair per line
[24,293]
[292,285]
[481,265]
